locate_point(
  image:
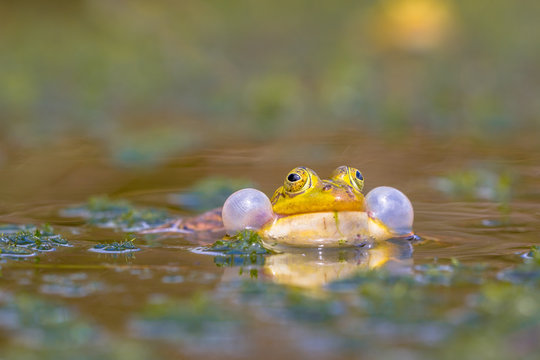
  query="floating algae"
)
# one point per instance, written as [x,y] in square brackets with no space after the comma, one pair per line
[119,214]
[26,242]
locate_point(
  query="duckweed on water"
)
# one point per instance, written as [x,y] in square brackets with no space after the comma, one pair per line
[33,328]
[289,303]
[198,324]
[28,242]
[476,184]
[533,254]
[454,273]
[376,307]
[11,228]
[119,214]
[116,247]
[528,272]
[51,326]
[435,311]
[244,243]
[245,248]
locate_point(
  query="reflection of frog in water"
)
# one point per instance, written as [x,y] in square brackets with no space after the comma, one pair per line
[312,268]
[309,211]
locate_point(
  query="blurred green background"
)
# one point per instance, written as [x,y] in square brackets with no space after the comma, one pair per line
[167,76]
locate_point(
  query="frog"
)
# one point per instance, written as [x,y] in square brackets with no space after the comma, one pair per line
[308,211]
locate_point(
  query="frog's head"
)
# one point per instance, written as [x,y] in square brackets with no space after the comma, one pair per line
[304,192]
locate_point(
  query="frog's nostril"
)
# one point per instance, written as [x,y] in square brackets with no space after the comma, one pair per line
[326,187]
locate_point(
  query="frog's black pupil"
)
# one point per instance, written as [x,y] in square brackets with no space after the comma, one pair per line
[359,175]
[293,177]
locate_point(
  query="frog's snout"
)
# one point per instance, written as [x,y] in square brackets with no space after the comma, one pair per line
[246,209]
[392,208]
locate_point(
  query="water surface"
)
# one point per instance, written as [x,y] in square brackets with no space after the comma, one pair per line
[166,301]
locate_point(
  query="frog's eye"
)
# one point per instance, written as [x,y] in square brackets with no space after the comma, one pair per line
[357,179]
[297,180]
[350,175]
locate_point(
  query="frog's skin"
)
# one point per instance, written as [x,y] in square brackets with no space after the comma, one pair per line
[310,211]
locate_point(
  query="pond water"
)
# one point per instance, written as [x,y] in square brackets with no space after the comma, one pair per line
[470,285]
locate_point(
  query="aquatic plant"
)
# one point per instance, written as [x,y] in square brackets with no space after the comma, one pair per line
[124,246]
[243,243]
[56,325]
[212,71]
[526,273]
[199,323]
[29,242]
[476,184]
[37,328]
[119,214]
[244,248]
